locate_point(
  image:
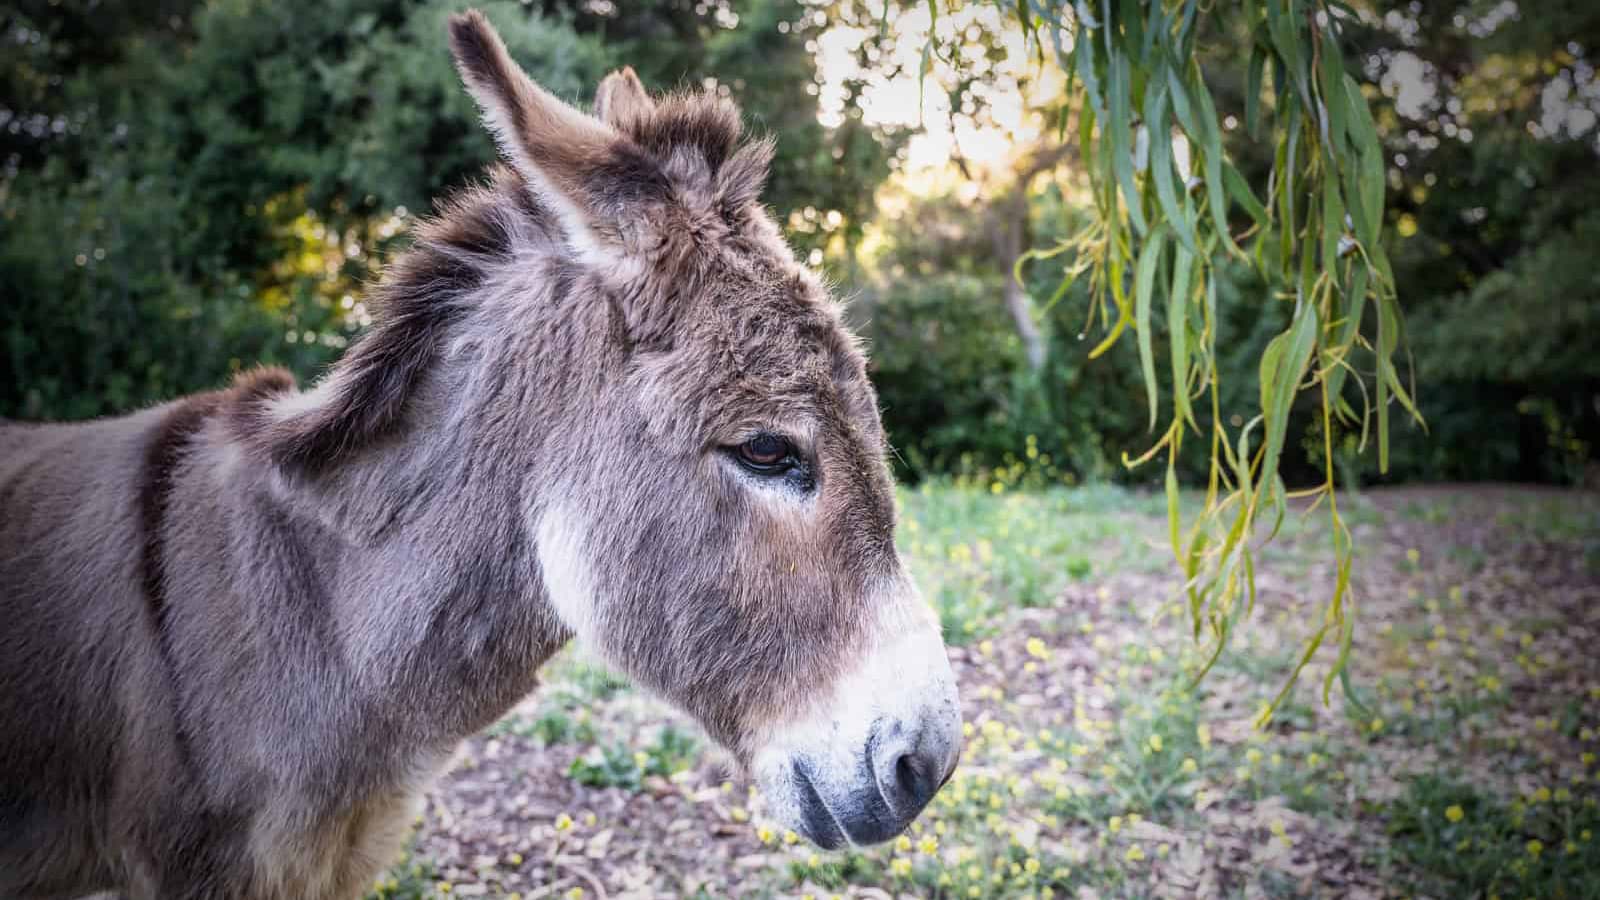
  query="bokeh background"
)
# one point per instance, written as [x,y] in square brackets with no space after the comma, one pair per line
[192,187]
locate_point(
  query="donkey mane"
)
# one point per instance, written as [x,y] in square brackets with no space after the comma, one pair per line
[415,304]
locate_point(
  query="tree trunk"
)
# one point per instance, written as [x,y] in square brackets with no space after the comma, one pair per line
[1008,234]
[1009,239]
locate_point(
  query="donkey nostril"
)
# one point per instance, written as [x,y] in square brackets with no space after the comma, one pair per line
[915,777]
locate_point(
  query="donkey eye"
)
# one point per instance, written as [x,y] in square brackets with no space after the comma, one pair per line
[766,454]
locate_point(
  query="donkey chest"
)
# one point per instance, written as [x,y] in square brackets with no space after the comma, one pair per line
[340,851]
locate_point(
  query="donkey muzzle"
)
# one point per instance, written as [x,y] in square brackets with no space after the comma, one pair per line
[869,759]
[898,776]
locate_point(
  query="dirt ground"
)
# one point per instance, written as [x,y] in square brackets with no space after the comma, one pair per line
[1092,769]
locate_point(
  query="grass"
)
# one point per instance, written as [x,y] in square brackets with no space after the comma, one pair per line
[409,879]
[1093,763]
[982,546]
[1461,840]
[620,765]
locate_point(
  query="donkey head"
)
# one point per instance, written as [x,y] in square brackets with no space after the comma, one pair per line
[709,500]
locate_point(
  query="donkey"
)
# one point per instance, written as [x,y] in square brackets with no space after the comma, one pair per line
[240,632]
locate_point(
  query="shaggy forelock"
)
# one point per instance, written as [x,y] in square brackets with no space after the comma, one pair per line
[701,121]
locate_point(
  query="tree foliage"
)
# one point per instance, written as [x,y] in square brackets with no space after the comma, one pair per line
[1167,197]
[195,187]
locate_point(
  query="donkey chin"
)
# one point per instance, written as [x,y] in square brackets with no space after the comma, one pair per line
[861,766]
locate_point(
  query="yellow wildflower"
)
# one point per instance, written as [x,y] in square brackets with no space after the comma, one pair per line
[1454,813]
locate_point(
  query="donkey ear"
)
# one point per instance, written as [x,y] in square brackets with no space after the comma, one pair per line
[744,175]
[554,146]
[621,101]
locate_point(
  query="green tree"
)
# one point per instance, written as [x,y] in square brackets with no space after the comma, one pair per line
[230,174]
[1491,127]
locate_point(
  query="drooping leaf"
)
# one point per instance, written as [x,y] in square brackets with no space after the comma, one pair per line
[1144,283]
[1162,172]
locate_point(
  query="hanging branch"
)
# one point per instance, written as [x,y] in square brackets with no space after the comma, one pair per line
[1137,85]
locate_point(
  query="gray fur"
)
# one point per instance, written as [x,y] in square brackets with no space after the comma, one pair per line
[240,632]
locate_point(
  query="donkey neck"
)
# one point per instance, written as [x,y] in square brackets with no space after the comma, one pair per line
[425,451]
[440,597]
[436,593]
